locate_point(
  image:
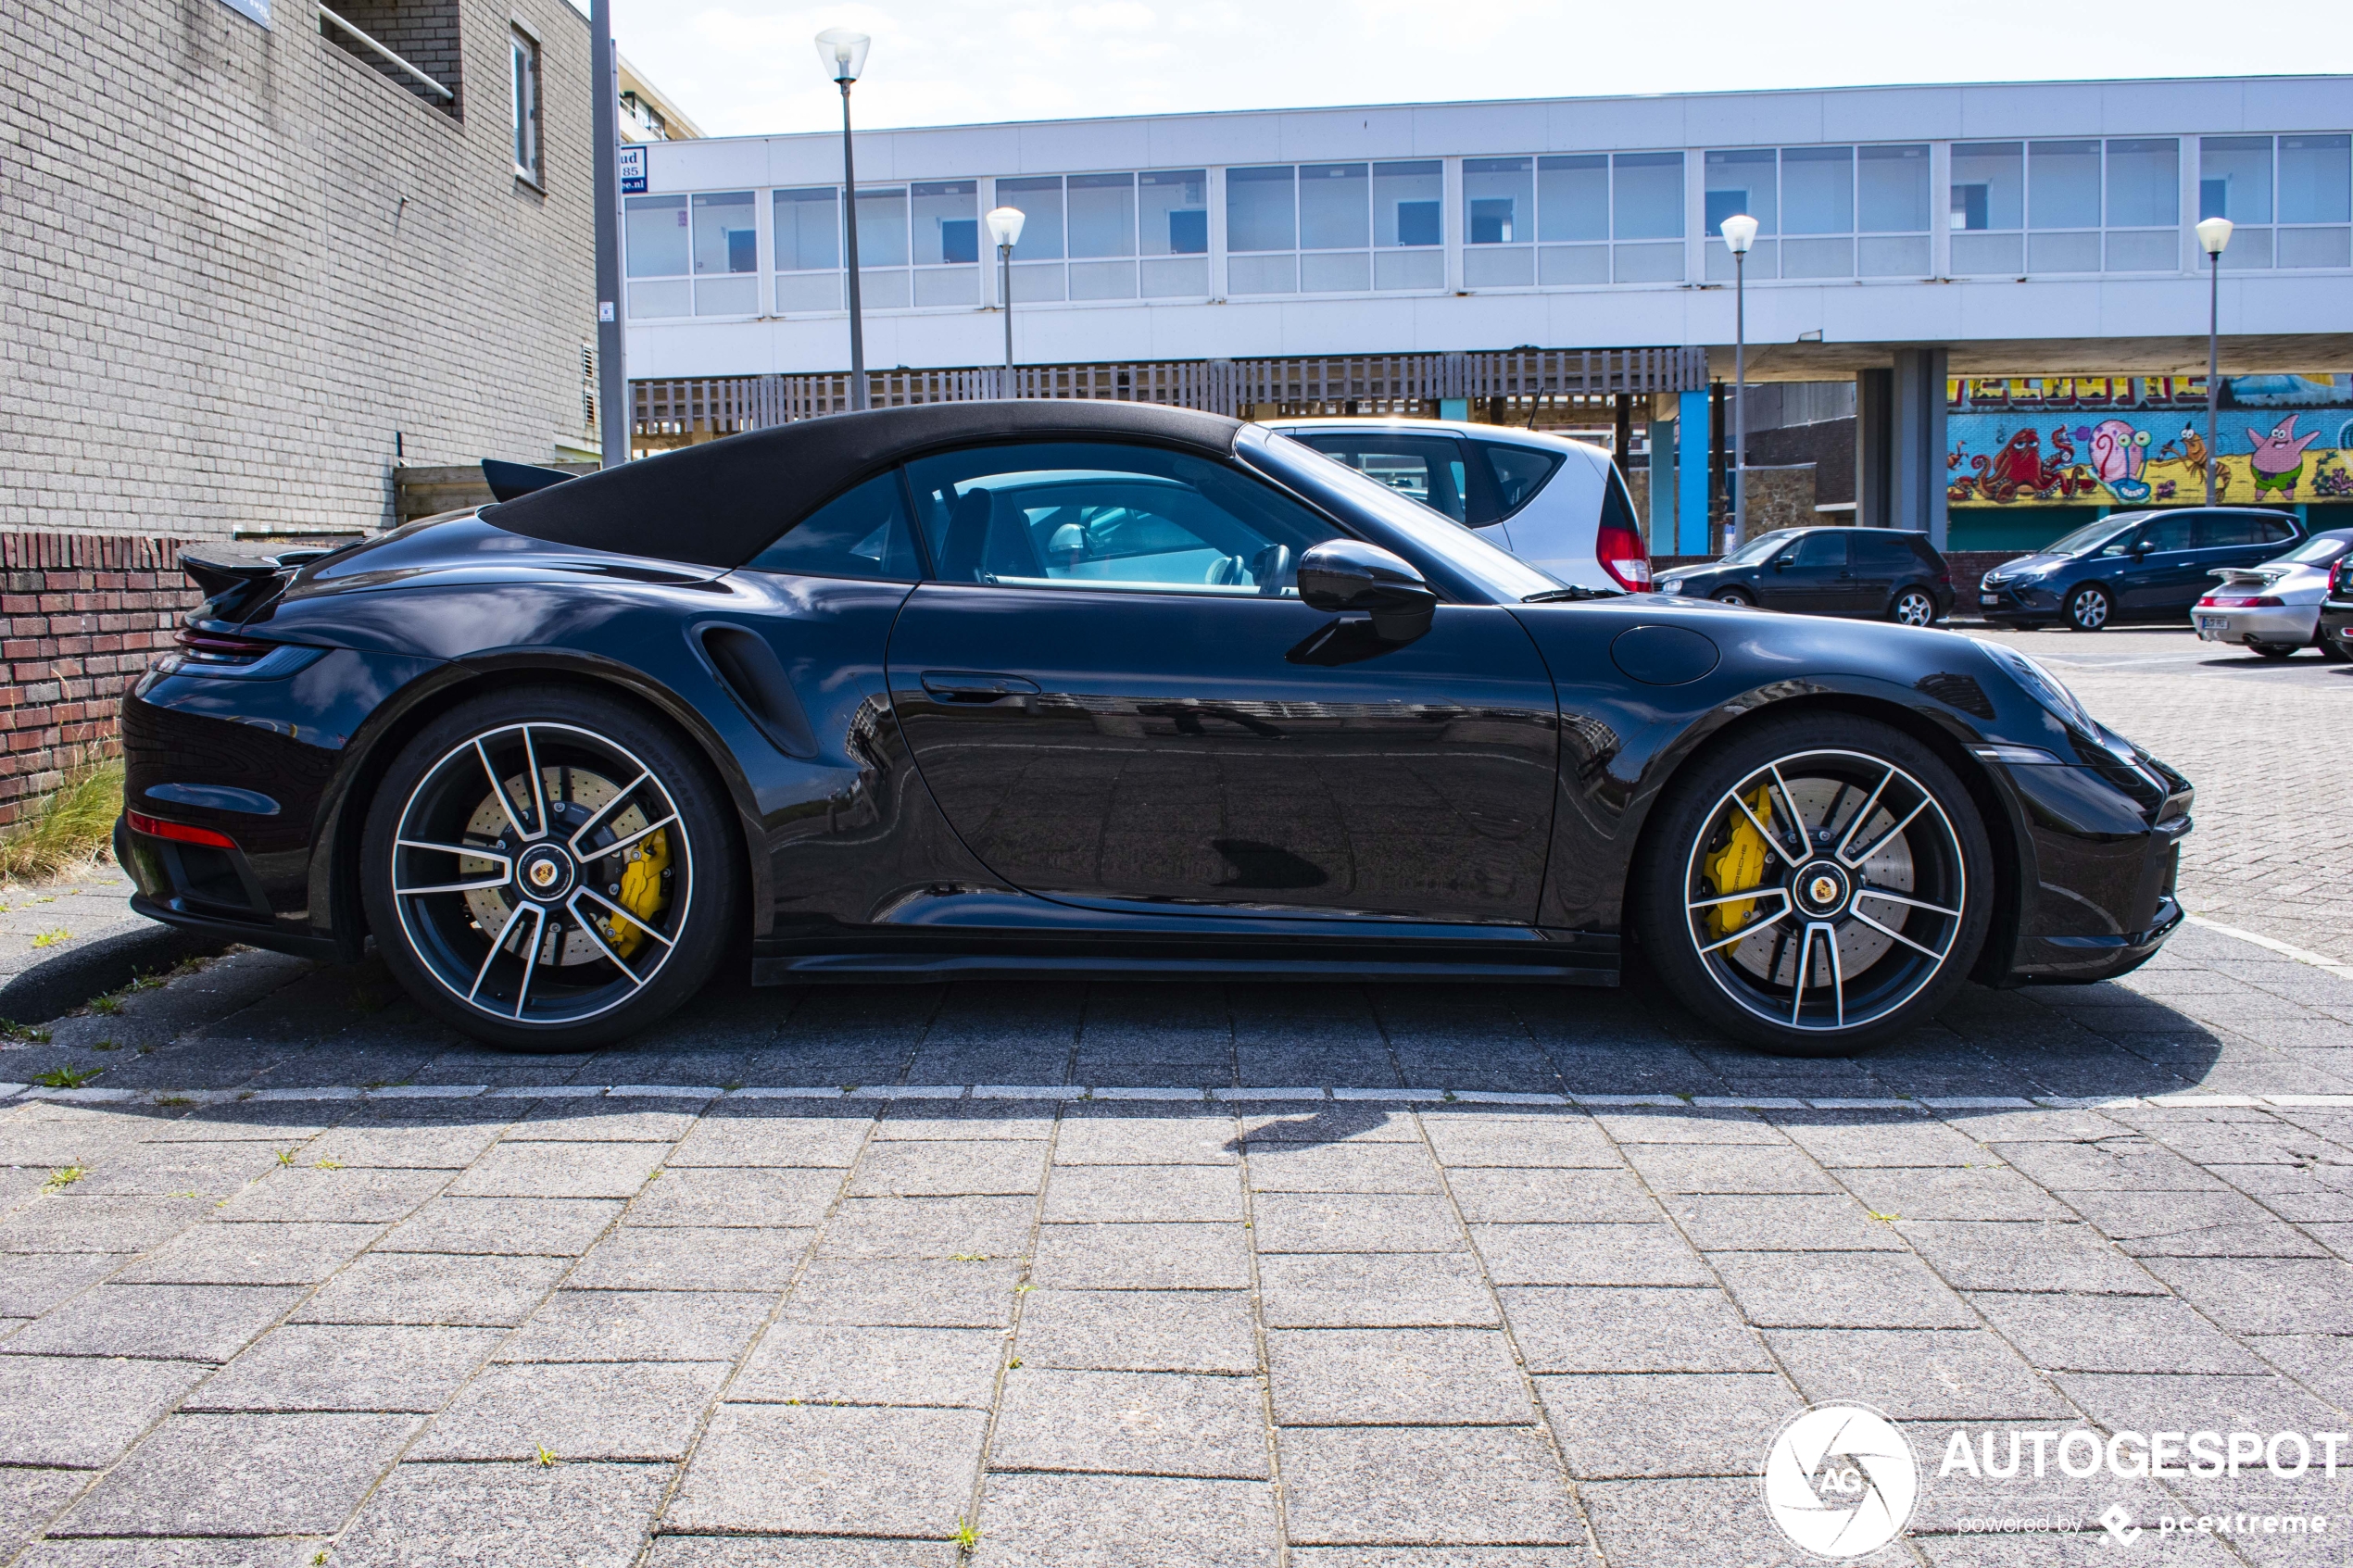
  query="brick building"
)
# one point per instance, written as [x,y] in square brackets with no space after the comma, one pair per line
[254,256]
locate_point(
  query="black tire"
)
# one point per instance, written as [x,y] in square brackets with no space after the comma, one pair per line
[2089,608]
[663,845]
[2331,649]
[1735,597]
[1913,607]
[1932,885]
[2273,650]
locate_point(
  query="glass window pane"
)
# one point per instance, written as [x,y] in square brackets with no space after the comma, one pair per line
[1259,209]
[1646,196]
[1573,264]
[2063,185]
[1262,274]
[1176,279]
[1428,468]
[1426,269]
[1894,256]
[1103,214]
[1818,190]
[649,300]
[2144,182]
[944,285]
[1096,515]
[1572,197]
[2064,253]
[1989,185]
[725,240]
[1738,182]
[657,236]
[882,228]
[1333,214]
[1499,200]
[2144,250]
[725,294]
[2316,178]
[809,291]
[2234,179]
[1039,199]
[808,231]
[862,533]
[1175,212]
[947,223]
[1103,280]
[1499,267]
[1988,256]
[1409,201]
[1891,189]
[1335,272]
[2298,247]
[1647,263]
[1519,472]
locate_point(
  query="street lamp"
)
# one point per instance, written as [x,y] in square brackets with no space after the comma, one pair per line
[1740,233]
[2214,233]
[843,53]
[1004,228]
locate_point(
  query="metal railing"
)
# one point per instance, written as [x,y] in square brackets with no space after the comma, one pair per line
[427,82]
[725,404]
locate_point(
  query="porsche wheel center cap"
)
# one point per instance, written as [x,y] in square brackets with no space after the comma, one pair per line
[1822,888]
[545,875]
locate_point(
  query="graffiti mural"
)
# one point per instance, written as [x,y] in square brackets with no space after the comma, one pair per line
[2137,441]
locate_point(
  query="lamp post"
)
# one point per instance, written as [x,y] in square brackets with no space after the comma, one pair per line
[1004,228]
[843,53]
[1740,233]
[2214,235]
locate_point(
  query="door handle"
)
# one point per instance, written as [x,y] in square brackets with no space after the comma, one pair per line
[974,688]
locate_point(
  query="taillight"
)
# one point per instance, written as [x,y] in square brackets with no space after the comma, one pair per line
[219,648]
[1622,555]
[155,827]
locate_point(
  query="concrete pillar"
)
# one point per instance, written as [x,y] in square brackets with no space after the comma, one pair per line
[1622,430]
[1663,512]
[1874,391]
[1915,456]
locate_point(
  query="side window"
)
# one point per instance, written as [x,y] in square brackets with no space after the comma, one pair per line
[2161,534]
[1822,550]
[2215,529]
[1100,515]
[2274,530]
[1518,472]
[1428,468]
[1877,552]
[861,532]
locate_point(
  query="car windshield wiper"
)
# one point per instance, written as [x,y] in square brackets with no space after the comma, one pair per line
[1574,592]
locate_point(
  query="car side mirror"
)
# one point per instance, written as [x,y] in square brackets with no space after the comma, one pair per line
[1341,575]
[1783,562]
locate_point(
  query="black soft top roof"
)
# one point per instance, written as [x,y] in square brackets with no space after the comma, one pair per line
[721,503]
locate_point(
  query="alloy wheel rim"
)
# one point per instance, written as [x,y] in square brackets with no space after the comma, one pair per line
[1913,610]
[1825,890]
[543,873]
[2090,611]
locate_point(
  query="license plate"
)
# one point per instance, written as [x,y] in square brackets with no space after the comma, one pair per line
[2209,624]
[1989,598]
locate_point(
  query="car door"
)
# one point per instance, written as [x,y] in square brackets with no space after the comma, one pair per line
[1811,577]
[1117,699]
[2224,539]
[1879,562]
[2159,570]
[1433,470]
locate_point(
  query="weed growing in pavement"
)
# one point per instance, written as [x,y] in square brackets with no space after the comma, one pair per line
[24,1032]
[106,1046]
[966,1537]
[968,1257]
[66,830]
[61,1180]
[174,1099]
[367,999]
[285,1157]
[190,1193]
[326,1164]
[51,938]
[547,1456]
[108,1004]
[65,1077]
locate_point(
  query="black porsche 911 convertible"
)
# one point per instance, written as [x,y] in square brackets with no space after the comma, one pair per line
[1089,689]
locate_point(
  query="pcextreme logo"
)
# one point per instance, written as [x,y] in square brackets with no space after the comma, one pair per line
[1839,1481]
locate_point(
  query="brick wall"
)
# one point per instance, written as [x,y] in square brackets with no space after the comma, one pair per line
[83,613]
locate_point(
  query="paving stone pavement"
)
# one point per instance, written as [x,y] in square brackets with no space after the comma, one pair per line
[1334,1276]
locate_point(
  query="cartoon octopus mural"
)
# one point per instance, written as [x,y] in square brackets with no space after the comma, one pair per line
[2019,466]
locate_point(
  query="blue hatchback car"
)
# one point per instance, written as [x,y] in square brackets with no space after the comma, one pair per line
[2132,566]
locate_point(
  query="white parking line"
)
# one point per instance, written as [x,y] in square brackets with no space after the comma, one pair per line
[2273,944]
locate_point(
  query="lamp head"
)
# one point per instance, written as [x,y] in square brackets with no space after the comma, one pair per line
[2214,235]
[1740,233]
[1004,225]
[842,52]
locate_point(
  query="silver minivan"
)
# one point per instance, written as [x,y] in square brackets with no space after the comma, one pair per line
[1559,504]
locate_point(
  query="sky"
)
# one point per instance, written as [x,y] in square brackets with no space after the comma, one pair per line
[746,66]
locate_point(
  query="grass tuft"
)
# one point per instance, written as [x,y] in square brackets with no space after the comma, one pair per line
[67,829]
[61,1180]
[51,938]
[65,1077]
[11,1030]
[545,1456]
[968,1535]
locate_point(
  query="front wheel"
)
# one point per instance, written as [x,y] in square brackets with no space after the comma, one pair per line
[1913,607]
[549,869]
[1737,599]
[1815,887]
[2089,608]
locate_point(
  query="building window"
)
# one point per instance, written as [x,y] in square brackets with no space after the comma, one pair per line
[2077,205]
[807,249]
[415,45]
[1830,212]
[2289,198]
[523,79]
[692,255]
[1335,227]
[1988,209]
[1110,236]
[1743,180]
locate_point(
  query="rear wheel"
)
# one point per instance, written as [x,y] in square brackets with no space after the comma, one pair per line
[2089,608]
[549,869]
[2273,650]
[2331,649]
[1734,597]
[1913,607]
[1815,887]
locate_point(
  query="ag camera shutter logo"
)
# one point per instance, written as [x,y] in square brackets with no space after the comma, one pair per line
[1840,1480]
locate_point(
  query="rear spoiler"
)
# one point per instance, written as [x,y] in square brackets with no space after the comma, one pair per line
[511,479]
[218,568]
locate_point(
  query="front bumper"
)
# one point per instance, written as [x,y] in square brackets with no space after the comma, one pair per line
[2016,603]
[2104,850]
[2288,624]
[2336,624]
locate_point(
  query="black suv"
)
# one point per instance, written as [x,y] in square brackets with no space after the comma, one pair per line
[1879,573]
[2132,566]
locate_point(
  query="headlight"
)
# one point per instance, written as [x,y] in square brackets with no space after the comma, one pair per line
[1667,586]
[2042,685]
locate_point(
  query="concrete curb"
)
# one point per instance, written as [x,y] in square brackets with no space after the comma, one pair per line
[57,985]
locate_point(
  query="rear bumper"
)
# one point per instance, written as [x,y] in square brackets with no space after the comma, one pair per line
[2291,625]
[199,887]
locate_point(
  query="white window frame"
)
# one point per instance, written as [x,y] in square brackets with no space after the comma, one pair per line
[525,86]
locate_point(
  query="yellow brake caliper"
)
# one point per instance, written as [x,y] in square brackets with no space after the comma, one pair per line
[643,893]
[1737,868]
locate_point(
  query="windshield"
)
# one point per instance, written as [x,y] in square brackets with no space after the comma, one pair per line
[2092,535]
[2320,549]
[1757,549]
[1475,569]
